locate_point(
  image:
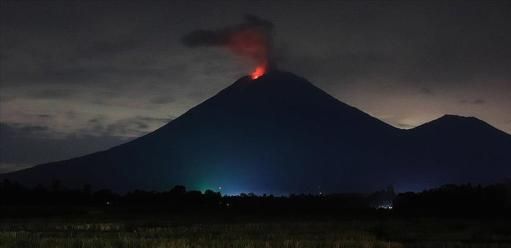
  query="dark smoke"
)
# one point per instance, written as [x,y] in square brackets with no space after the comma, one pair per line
[251,39]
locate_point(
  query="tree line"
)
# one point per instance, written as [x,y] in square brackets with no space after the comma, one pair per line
[448,200]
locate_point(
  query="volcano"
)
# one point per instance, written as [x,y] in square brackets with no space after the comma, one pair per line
[280,134]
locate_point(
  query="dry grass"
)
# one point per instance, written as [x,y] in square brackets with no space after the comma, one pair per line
[385,234]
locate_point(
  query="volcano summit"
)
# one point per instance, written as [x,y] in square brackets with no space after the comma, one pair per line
[281,134]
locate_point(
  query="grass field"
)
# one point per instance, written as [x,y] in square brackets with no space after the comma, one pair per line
[143,232]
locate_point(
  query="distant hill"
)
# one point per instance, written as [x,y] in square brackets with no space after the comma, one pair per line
[281,134]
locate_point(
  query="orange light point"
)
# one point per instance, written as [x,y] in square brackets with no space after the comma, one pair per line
[258,72]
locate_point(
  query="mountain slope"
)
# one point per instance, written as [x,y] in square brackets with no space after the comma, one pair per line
[276,134]
[456,149]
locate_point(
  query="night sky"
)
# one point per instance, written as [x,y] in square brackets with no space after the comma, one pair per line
[79,76]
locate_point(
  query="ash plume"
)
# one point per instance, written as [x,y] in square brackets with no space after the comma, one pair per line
[251,39]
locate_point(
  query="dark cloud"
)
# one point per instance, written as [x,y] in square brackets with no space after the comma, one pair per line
[44,116]
[24,146]
[52,94]
[154,119]
[223,36]
[128,127]
[426,91]
[25,129]
[96,120]
[477,101]
[251,39]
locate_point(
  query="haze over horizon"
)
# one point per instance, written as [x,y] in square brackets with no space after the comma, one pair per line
[77,77]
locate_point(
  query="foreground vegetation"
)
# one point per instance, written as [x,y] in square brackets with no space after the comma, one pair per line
[182,232]
[450,216]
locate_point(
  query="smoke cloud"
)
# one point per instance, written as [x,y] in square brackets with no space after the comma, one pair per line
[251,39]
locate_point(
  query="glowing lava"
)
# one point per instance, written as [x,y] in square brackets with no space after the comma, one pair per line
[259,71]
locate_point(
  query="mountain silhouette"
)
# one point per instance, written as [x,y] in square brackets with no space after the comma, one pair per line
[281,134]
[456,149]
